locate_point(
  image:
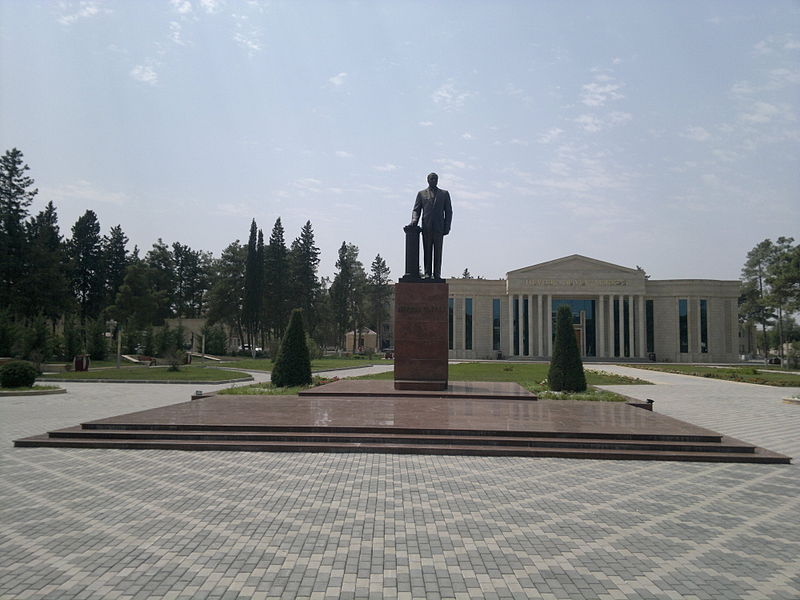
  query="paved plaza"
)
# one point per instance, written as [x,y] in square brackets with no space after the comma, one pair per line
[107,524]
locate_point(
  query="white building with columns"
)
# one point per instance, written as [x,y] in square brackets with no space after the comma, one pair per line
[618,314]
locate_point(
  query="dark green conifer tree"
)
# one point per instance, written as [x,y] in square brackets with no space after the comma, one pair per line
[293,363]
[253,288]
[115,261]
[276,281]
[304,285]
[16,194]
[46,285]
[85,249]
[566,368]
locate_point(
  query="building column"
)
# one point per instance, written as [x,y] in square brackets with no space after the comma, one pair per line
[530,326]
[611,331]
[511,324]
[521,323]
[631,337]
[621,329]
[601,328]
[549,325]
[539,325]
[642,330]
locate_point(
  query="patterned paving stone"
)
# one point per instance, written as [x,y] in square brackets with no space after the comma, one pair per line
[157,524]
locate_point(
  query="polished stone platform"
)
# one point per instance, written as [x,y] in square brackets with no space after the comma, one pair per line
[399,424]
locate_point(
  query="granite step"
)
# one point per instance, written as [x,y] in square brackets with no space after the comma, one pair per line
[415,431]
[758,456]
[442,438]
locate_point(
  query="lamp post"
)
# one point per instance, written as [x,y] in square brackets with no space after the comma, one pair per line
[118,328]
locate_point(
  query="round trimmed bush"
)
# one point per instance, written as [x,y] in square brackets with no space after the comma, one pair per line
[18,373]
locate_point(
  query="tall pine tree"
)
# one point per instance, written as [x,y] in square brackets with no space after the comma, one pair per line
[88,281]
[379,292]
[16,194]
[46,284]
[304,284]
[276,281]
[347,293]
[115,261]
[160,258]
[226,298]
[253,288]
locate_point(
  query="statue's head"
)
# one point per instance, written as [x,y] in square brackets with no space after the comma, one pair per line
[433,180]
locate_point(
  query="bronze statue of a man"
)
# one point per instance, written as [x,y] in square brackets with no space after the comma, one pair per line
[433,205]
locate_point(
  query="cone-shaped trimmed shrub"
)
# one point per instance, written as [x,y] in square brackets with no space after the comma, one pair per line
[292,364]
[566,367]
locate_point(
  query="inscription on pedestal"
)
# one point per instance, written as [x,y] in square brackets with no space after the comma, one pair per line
[420,336]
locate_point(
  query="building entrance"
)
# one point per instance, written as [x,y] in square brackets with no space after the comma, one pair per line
[583,321]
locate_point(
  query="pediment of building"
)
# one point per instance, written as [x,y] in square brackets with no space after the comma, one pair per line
[575,272]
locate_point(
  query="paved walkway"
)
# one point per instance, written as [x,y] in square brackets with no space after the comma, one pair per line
[161,524]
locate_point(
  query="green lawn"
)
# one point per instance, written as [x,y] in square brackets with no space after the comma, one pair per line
[266,388]
[186,373]
[321,364]
[744,374]
[522,373]
[95,364]
[531,376]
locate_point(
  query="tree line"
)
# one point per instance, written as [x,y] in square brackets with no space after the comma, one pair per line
[61,296]
[771,295]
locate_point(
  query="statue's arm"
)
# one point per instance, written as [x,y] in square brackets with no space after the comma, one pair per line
[448,214]
[417,210]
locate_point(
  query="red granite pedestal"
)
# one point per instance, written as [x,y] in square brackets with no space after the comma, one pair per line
[420,343]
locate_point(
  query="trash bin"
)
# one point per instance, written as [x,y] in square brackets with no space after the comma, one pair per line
[81,362]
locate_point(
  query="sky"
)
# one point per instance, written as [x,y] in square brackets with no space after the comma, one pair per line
[643,133]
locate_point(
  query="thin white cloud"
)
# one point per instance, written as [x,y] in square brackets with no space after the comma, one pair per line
[550,135]
[589,123]
[776,79]
[466,135]
[386,168]
[449,162]
[425,123]
[726,155]
[594,124]
[338,80]
[776,43]
[144,74]
[247,36]
[343,154]
[248,41]
[85,192]
[210,6]
[183,7]
[559,168]
[600,91]
[175,33]
[698,134]
[232,209]
[450,97]
[761,112]
[743,88]
[83,10]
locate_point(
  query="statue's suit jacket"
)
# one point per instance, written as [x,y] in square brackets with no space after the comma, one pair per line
[437,213]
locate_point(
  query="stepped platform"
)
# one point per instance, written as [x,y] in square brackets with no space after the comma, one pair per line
[339,420]
[476,390]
